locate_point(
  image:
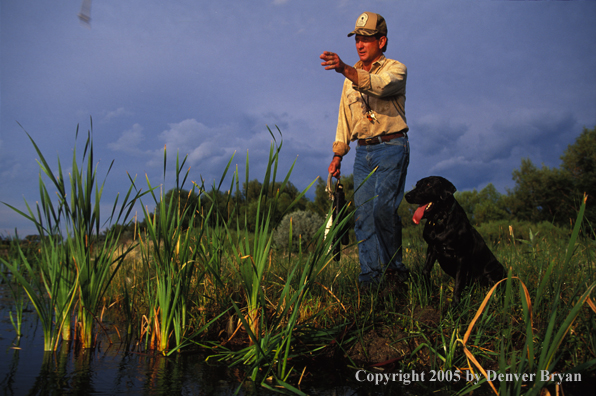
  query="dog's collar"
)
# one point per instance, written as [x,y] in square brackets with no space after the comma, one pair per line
[442,219]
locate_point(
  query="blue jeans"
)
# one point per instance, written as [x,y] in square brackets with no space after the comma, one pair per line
[378,226]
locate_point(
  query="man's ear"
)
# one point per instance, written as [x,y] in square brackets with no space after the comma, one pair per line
[382,41]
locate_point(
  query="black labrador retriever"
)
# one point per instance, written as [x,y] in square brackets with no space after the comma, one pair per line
[459,248]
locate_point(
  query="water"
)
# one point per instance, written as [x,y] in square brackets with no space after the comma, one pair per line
[30,371]
[111,369]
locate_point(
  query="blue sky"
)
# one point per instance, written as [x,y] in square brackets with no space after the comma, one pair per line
[489,83]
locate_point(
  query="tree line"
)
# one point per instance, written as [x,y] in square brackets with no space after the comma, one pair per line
[542,194]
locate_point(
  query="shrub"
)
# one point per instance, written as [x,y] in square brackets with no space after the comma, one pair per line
[304,226]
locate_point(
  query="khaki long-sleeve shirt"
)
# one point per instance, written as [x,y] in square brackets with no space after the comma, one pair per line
[384,89]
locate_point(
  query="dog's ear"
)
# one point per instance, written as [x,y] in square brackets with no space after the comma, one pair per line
[448,190]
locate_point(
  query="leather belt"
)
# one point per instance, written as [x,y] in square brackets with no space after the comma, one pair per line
[380,139]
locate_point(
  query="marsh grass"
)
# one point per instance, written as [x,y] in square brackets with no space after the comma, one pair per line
[172,256]
[16,290]
[210,283]
[494,332]
[74,266]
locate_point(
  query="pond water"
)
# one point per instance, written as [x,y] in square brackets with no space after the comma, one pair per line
[111,369]
[115,369]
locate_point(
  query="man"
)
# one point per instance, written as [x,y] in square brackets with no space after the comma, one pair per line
[372,112]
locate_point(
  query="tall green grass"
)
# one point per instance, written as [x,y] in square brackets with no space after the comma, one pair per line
[50,290]
[542,352]
[75,264]
[272,321]
[172,254]
[16,290]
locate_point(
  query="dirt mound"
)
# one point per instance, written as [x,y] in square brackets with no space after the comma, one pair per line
[385,346]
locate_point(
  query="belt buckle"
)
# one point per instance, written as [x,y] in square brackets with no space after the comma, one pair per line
[373,140]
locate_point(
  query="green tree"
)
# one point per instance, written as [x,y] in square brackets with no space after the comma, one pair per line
[321,203]
[222,204]
[181,199]
[492,206]
[484,205]
[579,161]
[554,195]
[540,194]
[248,201]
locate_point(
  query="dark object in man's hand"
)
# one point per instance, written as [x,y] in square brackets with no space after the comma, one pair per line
[338,214]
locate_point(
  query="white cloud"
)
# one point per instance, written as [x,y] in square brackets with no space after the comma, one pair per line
[129,140]
[195,140]
[121,111]
[185,134]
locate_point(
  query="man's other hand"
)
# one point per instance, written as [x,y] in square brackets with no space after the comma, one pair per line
[335,167]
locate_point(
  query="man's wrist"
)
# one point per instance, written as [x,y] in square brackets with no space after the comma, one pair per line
[337,156]
[350,73]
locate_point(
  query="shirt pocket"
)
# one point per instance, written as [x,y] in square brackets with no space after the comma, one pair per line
[357,112]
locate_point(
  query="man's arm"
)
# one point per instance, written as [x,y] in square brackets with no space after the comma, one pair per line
[389,81]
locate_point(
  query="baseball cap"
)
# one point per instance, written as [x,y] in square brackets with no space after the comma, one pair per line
[369,24]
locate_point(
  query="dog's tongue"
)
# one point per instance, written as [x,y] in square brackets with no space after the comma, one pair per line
[419,213]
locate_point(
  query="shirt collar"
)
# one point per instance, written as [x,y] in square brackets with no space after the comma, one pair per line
[378,63]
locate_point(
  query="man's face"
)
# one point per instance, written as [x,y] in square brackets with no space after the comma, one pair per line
[369,48]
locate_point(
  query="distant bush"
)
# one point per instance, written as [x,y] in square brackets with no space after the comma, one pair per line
[305,224]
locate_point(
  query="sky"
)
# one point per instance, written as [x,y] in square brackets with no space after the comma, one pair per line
[489,83]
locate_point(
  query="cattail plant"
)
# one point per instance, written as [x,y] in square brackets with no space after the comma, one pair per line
[272,322]
[171,250]
[76,265]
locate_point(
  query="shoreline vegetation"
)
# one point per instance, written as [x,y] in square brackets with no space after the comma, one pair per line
[214,274]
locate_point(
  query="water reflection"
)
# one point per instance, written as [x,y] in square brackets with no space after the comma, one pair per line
[111,369]
[119,369]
